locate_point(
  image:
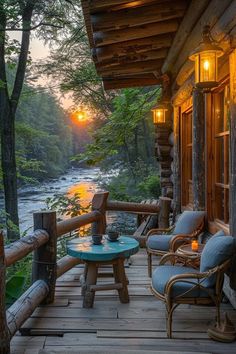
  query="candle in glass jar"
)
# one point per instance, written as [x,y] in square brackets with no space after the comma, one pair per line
[194,245]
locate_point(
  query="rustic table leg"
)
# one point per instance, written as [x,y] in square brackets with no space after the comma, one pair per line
[120,277]
[91,279]
[83,278]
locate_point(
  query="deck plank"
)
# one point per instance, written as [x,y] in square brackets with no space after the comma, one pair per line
[111,327]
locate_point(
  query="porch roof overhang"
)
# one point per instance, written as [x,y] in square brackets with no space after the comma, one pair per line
[135,43]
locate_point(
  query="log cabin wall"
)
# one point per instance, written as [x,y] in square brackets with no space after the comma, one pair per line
[138,43]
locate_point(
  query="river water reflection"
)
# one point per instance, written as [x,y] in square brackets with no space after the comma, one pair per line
[32,199]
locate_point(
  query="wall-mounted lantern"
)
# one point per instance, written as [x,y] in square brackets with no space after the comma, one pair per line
[159,113]
[206,57]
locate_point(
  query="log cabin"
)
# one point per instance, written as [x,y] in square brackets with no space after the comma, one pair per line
[151,42]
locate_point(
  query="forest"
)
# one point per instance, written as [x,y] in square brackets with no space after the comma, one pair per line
[42,139]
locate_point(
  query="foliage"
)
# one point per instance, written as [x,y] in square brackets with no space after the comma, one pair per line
[15,287]
[65,205]
[151,186]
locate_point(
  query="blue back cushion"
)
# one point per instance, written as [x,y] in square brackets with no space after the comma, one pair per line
[189,222]
[217,250]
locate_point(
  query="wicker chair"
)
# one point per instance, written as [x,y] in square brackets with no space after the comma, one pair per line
[183,285]
[161,241]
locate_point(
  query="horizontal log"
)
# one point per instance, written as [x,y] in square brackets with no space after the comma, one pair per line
[132,58]
[74,223]
[132,207]
[23,307]
[131,68]
[66,263]
[133,47]
[193,13]
[212,15]
[114,5]
[107,21]
[152,29]
[22,247]
[119,82]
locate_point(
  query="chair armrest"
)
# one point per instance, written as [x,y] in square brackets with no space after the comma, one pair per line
[174,242]
[171,256]
[159,231]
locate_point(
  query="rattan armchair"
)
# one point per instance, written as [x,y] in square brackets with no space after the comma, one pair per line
[161,241]
[177,285]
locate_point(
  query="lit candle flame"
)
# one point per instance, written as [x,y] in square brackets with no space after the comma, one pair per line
[206,65]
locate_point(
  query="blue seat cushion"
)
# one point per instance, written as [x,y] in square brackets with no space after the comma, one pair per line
[188,222]
[217,250]
[159,242]
[162,275]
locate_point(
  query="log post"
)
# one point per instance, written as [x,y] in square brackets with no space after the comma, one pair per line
[198,150]
[99,204]
[4,333]
[44,261]
[232,191]
[176,163]
[164,213]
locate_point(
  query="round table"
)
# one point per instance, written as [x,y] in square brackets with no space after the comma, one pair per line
[193,256]
[111,253]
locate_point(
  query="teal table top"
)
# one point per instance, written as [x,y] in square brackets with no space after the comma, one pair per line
[84,249]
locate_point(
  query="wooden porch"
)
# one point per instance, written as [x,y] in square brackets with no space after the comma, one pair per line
[112,327]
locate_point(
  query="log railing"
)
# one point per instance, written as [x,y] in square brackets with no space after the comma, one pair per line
[45,267]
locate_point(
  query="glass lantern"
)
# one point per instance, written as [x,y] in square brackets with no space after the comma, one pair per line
[159,114]
[206,57]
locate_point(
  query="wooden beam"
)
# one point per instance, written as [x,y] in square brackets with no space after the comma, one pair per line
[25,245]
[153,29]
[192,15]
[108,21]
[133,58]
[131,68]
[25,305]
[74,223]
[232,191]
[198,150]
[4,333]
[210,16]
[119,83]
[176,163]
[132,207]
[45,257]
[103,5]
[133,47]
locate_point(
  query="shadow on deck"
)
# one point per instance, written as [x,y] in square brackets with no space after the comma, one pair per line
[112,327]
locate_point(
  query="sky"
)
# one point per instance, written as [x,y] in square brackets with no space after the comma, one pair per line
[39,50]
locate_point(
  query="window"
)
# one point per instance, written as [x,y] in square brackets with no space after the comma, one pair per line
[187,193]
[220,161]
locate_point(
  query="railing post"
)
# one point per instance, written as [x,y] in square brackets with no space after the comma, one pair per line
[4,333]
[164,214]
[44,261]
[99,204]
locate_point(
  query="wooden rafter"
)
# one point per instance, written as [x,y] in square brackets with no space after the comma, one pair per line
[133,58]
[106,38]
[107,21]
[133,47]
[131,68]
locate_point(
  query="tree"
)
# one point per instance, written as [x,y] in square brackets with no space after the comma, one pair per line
[46,18]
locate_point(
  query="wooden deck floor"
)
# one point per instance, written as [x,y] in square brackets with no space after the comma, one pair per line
[111,327]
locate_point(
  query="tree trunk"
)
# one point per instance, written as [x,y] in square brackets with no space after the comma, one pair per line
[9,171]
[8,108]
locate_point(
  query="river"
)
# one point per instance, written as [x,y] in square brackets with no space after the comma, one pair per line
[80,180]
[32,198]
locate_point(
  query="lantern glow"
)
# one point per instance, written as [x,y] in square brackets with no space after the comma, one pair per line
[159,114]
[206,57]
